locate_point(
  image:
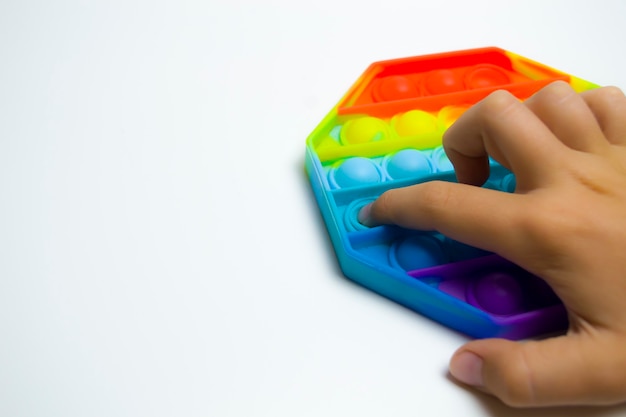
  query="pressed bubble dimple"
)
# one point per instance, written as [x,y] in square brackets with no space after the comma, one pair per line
[356,171]
[408,163]
[351,215]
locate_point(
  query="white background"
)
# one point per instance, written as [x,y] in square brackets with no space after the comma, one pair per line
[161,253]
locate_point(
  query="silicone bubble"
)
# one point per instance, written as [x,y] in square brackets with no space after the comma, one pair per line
[396,87]
[508,183]
[444,81]
[408,163]
[492,185]
[417,252]
[363,130]
[449,114]
[499,293]
[354,172]
[486,76]
[415,122]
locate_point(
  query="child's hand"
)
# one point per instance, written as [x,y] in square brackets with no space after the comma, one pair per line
[566,223]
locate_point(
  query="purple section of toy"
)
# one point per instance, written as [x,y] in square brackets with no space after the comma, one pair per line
[501,289]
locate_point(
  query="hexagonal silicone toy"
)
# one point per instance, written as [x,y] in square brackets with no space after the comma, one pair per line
[386,133]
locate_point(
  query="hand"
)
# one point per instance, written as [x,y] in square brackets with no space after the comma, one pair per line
[566,223]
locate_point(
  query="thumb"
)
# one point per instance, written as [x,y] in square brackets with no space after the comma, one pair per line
[573,369]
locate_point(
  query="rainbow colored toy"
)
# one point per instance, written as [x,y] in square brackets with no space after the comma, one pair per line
[386,133]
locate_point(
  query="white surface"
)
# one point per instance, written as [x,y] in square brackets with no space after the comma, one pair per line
[160,250]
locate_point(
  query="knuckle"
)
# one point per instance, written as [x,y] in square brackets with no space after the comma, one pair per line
[604,96]
[500,96]
[435,194]
[558,87]
[547,222]
[511,378]
[611,91]
[435,200]
[498,104]
[410,206]
[518,383]
[558,92]
[609,94]
[498,100]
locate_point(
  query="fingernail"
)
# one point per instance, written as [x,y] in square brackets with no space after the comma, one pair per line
[364,215]
[467,367]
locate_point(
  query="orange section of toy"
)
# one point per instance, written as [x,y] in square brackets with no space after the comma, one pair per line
[433,81]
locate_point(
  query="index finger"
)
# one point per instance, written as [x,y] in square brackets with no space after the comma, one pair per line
[504,128]
[480,217]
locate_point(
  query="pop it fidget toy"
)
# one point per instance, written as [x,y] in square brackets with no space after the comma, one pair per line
[386,133]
